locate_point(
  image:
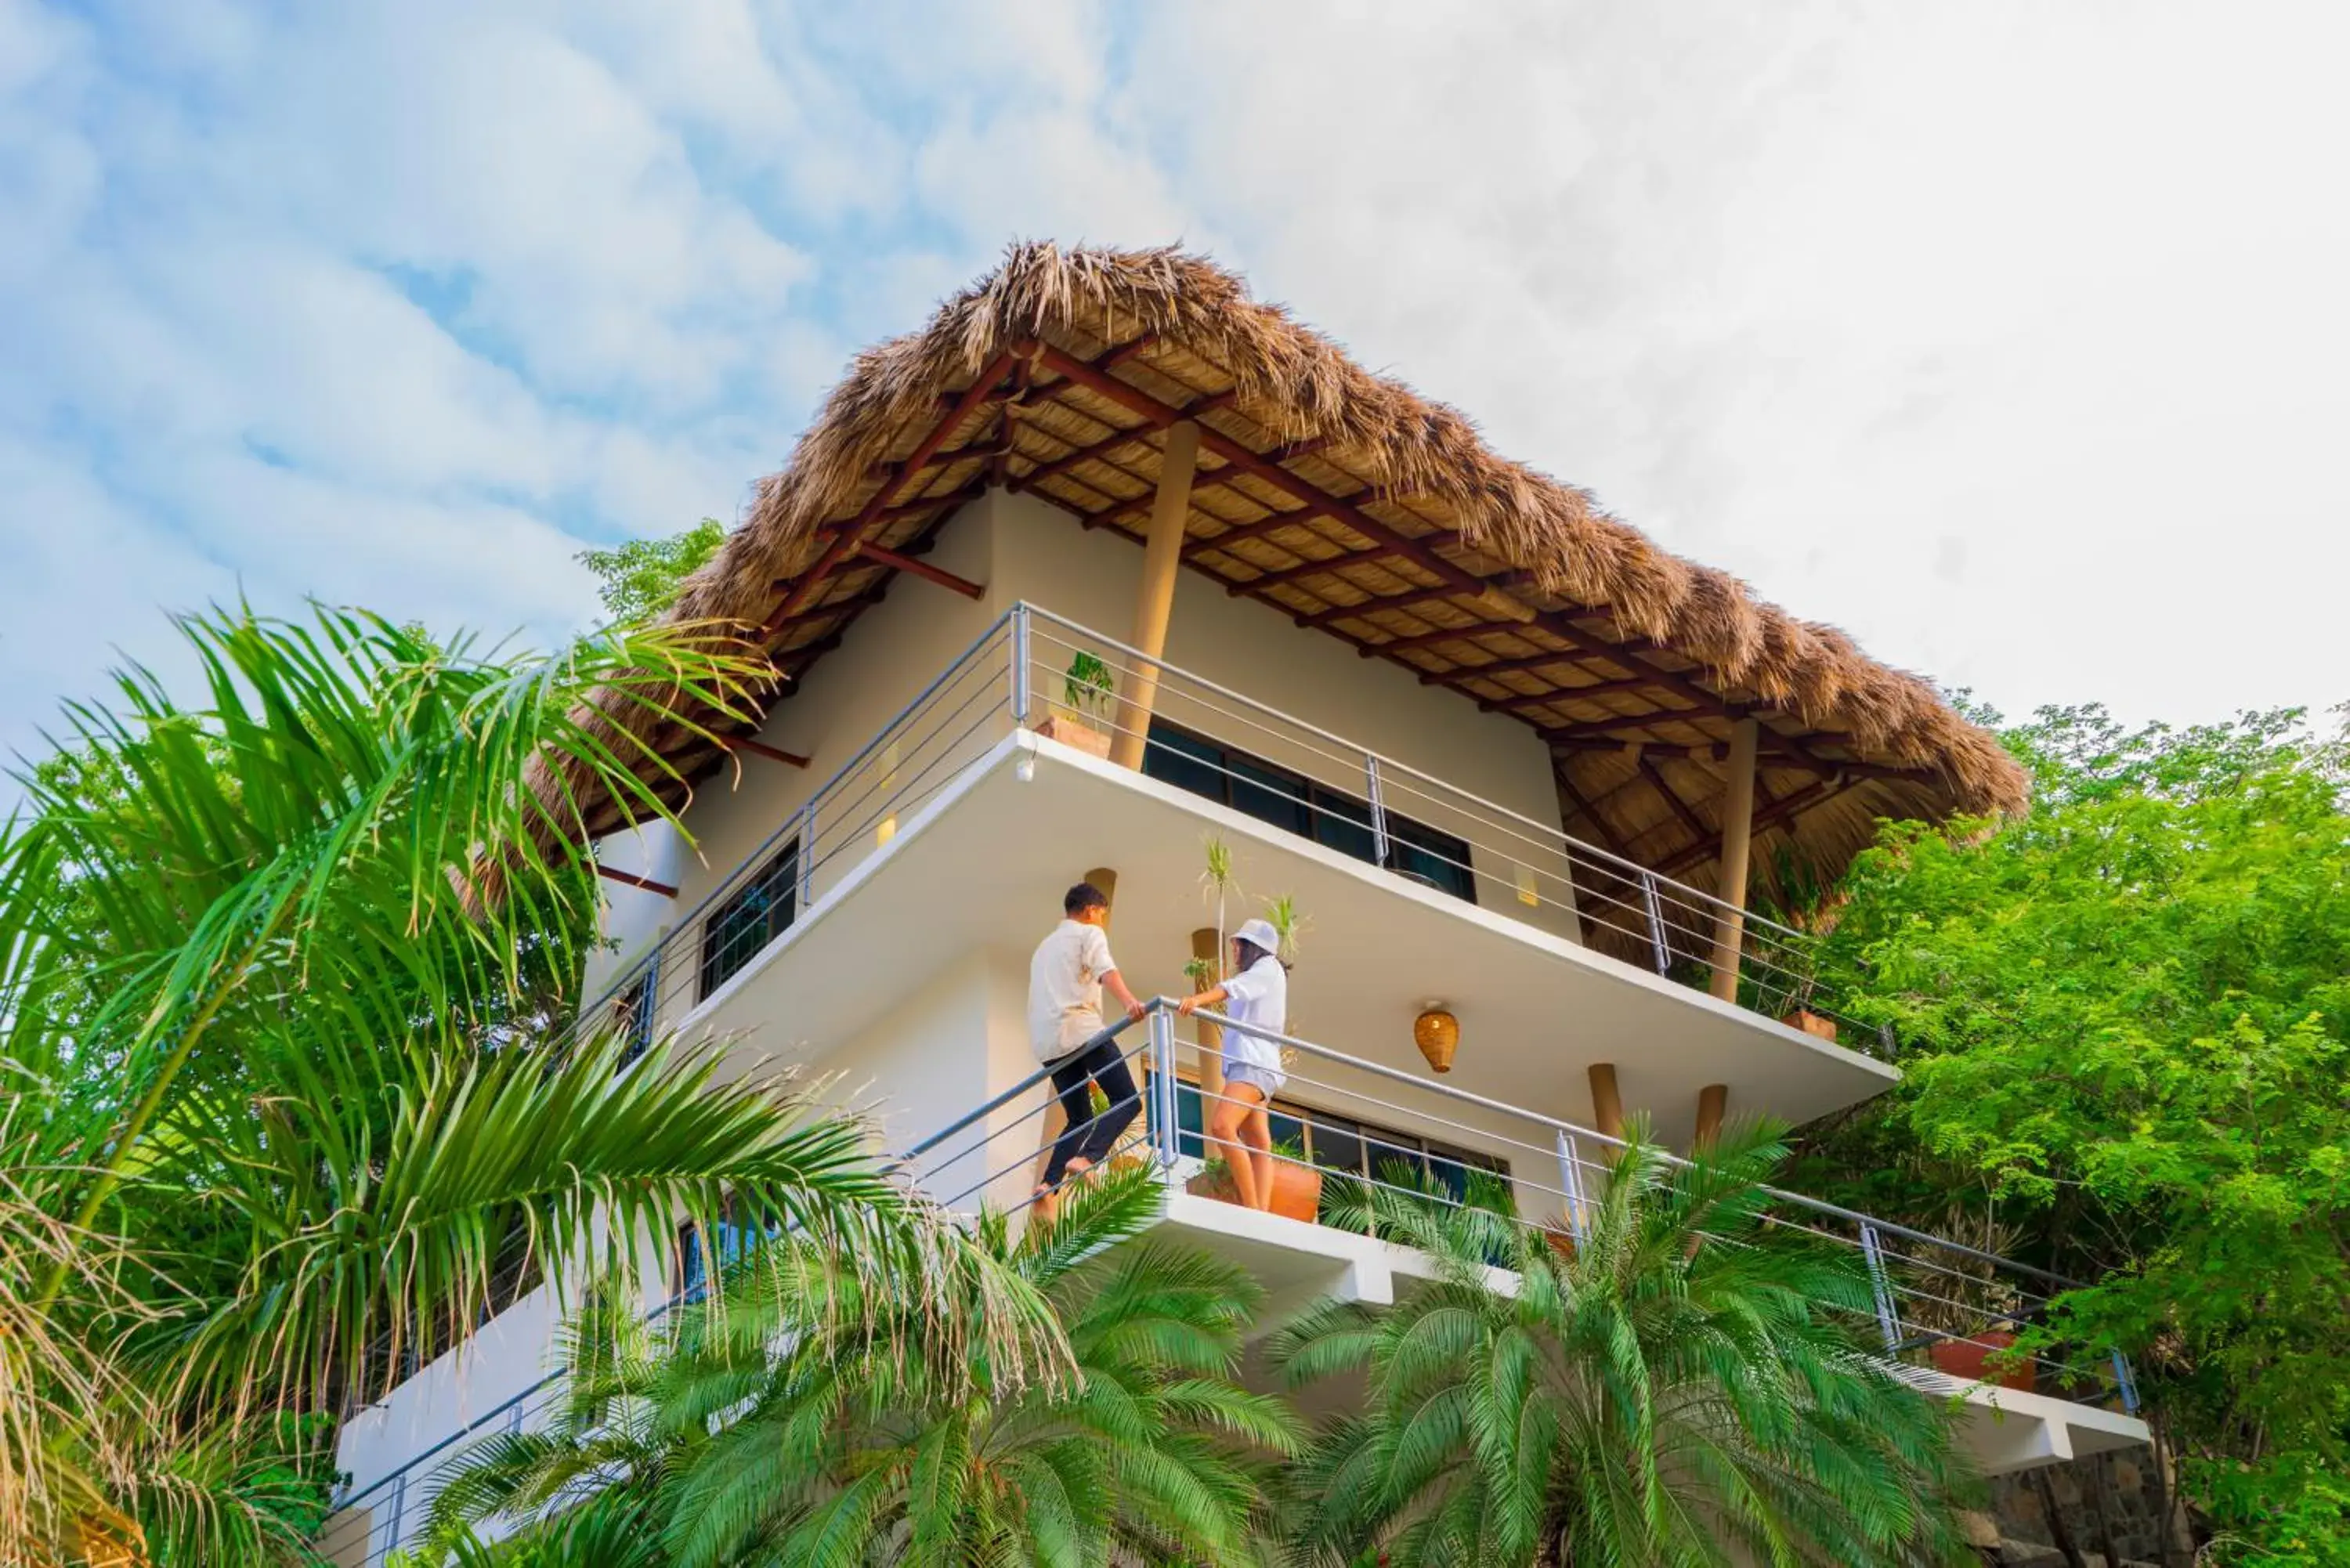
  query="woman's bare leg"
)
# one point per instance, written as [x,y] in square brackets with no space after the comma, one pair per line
[1258,1132]
[1227,1125]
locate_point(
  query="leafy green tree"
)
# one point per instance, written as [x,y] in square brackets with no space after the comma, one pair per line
[2124,1021]
[285,1098]
[788,1424]
[1680,1383]
[641,578]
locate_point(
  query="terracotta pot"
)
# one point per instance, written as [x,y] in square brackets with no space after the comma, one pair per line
[1061,727]
[1968,1360]
[1296,1189]
[1437,1034]
[1812,1023]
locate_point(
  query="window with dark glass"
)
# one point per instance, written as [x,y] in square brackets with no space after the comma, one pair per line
[632,1015]
[754,915]
[1344,1144]
[1330,818]
[692,1260]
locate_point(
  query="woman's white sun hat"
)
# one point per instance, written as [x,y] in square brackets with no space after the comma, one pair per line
[1258,933]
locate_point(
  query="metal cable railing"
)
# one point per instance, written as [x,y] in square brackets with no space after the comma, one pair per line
[1271,766]
[1350,797]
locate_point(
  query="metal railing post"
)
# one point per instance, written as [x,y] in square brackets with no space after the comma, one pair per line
[1378,809]
[1020,657]
[807,861]
[1657,942]
[1570,1181]
[392,1536]
[1880,1286]
[1164,1137]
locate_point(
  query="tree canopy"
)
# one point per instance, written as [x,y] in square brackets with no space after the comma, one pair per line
[641,577]
[2123,1022]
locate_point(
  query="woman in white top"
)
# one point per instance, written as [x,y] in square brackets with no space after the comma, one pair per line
[1256,996]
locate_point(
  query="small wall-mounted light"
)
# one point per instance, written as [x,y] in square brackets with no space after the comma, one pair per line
[1437,1034]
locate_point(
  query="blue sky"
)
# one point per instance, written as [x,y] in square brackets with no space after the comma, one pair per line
[2006,338]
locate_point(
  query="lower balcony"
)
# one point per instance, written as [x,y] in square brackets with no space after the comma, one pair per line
[1343,1126]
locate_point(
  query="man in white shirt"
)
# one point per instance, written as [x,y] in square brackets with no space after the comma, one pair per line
[1065,978]
[1256,997]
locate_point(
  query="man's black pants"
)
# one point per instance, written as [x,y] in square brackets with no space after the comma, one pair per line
[1089,1136]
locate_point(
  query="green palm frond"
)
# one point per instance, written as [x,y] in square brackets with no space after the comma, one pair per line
[854,1448]
[1677,1378]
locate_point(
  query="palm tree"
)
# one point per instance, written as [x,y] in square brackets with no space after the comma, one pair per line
[788,1425]
[285,978]
[1680,1383]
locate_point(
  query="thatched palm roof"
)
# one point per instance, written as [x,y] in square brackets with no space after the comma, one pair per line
[1360,509]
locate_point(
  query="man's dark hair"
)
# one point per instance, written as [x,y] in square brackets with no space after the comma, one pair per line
[1083,896]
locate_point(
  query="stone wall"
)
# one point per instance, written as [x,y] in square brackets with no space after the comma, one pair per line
[2106,1498]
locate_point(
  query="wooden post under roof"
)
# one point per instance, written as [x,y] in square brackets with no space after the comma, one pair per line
[1712,1101]
[1737,839]
[1162,557]
[1205,947]
[1606,1104]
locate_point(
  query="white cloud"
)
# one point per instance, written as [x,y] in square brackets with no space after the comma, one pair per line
[2003,335]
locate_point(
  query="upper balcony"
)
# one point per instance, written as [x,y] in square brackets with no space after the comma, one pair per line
[954,828]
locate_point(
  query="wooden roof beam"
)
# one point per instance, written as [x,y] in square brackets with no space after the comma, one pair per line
[922,569]
[981,387]
[1413,600]
[1656,781]
[1784,809]
[1590,729]
[1573,657]
[1522,702]
[1589,812]
[630,880]
[1055,467]
[760,748]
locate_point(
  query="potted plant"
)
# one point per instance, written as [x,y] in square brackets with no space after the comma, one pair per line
[1971,1313]
[1296,1182]
[1804,904]
[1089,691]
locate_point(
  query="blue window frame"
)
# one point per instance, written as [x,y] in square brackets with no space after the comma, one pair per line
[757,912]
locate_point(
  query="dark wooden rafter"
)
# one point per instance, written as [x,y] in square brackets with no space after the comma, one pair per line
[1589,812]
[1440,593]
[760,748]
[919,569]
[1617,724]
[1658,782]
[848,538]
[1786,808]
[1520,704]
[630,880]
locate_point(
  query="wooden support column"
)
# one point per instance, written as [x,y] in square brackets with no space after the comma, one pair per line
[1737,837]
[1205,946]
[1606,1104]
[1712,1101]
[1163,557]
